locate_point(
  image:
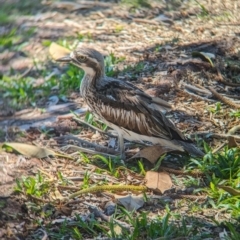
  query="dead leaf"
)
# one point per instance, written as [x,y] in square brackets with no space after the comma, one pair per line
[117,229]
[159,181]
[63,210]
[130,202]
[204,56]
[230,190]
[29,150]
[32,151]
[232,142]
[152,153]
[56,51]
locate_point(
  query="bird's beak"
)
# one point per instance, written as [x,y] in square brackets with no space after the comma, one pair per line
[65,59]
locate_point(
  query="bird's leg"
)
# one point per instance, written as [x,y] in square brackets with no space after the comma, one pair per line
[121,146]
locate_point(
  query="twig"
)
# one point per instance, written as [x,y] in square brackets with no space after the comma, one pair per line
[232,96]
[104,217]
[81,141]
[196,89]
[221,79]
[108,188]
[183,196]
[233,130]
[93,127]
[199,97]
[140,20]
[213,135]
[86,150]
[219,147]
[194,173]
[45,236]
[25,73]
[223,99]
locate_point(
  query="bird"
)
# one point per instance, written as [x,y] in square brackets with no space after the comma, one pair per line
[135,115]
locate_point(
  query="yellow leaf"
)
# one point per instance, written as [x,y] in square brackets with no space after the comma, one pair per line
[56,51]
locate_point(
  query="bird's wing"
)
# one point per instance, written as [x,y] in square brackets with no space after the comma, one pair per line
[129,107]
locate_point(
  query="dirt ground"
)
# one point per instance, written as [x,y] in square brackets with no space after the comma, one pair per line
[186,52]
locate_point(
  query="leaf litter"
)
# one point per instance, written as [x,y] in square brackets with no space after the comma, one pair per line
[162,46]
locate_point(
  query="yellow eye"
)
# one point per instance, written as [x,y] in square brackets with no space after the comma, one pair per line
[81,58]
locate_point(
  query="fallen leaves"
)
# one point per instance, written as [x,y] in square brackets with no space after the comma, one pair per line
[158,181]
[152,153]
[30,150]
[56,51]
[131,202]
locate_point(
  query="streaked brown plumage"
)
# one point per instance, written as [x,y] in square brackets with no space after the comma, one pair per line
[132,113]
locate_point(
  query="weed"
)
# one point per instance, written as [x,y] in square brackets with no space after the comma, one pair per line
[8,39]
[110,61]
[141,167]
[204,11]
[191,181]
[89,118]
[221,168]
[82,37]
[137,3]
[235,114]
[110,163]
[70,80]
[216,109]
[118,28]
[33,186]
[23,91]
[86,180]
[133,71]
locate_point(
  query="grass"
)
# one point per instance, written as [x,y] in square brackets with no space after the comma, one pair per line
[219,169]
[159,218]
[137,3]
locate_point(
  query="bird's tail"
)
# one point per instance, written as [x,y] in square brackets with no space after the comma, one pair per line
[191,149]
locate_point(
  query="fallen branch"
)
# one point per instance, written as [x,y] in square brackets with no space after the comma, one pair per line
[89,144]
[213,135]
[108,188]
[223,99]
[234,129]
[196,89]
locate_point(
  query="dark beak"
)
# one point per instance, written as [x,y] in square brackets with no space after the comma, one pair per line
[65,59]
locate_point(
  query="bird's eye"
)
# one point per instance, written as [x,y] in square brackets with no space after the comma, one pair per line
[81,58]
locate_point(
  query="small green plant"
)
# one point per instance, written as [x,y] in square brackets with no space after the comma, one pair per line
[137,3]
[141,167]
[8,39]
[86,180]
[110,163]
[110,61]
[221,168]
[82,37]
[23,91]
[69,43]
[118,28]
[70,80]
[204,11]
[133,71]
[235,114]
[34,186]
[216,109]
[89,118]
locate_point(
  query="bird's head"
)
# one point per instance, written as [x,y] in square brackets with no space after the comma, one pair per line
[90,60]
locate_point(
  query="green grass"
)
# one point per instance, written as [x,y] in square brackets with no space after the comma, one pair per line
[222,168]
[110,61]
[137,3]
[21,92]
[10,10]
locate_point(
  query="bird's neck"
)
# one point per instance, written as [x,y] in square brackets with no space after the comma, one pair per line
[90,80]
